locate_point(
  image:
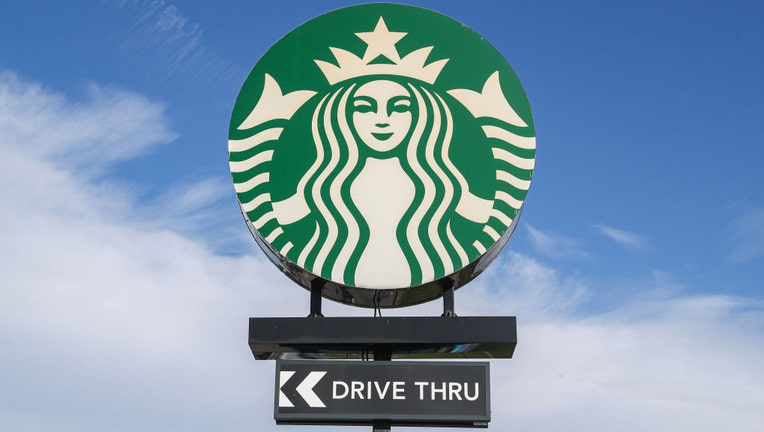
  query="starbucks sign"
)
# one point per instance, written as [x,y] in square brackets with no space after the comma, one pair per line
[384,148]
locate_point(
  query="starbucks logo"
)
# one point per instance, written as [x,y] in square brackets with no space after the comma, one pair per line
[382,148]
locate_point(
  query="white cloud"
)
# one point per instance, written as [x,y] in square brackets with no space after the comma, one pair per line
[624,238]
[682,364]
[108,126]
[109,323]
[102,317]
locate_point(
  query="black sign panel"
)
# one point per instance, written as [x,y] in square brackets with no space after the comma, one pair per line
[403,392]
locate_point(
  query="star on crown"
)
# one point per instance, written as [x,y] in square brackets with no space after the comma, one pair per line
[381,58]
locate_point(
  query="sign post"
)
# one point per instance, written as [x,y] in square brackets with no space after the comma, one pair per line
[381,155]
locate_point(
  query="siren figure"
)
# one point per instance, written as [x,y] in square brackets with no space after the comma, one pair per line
[391,186]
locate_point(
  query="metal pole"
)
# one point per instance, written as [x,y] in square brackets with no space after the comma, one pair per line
[381,426]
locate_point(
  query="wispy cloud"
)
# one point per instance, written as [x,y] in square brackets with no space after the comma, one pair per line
[624,238]
[553,244]
[746,236]
[519,285]
[47,131]
[165,40]
[167,28]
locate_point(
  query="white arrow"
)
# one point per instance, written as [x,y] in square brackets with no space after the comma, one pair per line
[305,389]
[283,399]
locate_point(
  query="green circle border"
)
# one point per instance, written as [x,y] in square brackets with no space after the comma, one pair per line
[292,71]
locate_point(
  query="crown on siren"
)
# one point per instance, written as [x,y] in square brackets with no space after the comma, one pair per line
[381,46]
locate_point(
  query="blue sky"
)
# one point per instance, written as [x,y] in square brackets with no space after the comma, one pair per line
[128,274]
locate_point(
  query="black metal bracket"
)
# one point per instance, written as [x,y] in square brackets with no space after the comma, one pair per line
[316,294]
[448,298]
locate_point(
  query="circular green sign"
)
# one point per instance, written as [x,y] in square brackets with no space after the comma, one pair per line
[385,149]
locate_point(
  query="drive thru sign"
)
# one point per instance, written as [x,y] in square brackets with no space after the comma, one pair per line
[404,392]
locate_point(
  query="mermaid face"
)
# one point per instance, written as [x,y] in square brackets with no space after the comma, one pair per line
[382,114]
